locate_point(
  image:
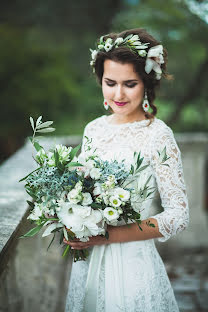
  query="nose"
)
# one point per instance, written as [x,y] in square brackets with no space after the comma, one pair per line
[119,93]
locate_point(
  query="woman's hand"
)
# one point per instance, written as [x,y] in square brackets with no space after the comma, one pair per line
[94,240]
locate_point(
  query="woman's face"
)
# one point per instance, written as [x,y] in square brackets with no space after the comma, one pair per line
[123,89]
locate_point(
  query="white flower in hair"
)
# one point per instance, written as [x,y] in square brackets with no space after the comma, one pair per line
[155,52]
[119,40]
[108,46]
[93,54]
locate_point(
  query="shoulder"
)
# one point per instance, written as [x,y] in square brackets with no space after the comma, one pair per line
[163,136]
[160,126]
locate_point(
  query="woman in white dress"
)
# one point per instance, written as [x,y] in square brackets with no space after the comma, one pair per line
[125,272]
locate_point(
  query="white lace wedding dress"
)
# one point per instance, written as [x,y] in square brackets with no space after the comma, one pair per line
[131,276]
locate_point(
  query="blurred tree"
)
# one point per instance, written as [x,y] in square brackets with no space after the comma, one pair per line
[44,68]
[184,34]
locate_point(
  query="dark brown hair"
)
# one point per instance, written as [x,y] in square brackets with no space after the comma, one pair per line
[123,55]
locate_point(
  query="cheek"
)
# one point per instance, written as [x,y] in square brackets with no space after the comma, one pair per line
[107,92]
[136,94]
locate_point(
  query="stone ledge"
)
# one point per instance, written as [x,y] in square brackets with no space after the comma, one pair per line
[13,205]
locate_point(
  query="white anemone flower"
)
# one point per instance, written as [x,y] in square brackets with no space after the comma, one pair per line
[108,47]
[36,212]
[74,196]
[115,201]
[97,189]
[122,194]
[110,214]
[87,199]
[78,186]
[82,211]
[95,173]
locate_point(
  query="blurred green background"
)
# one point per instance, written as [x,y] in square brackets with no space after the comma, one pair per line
[44,62]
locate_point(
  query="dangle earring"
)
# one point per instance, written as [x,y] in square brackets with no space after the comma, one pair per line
[145,103]
[105,104]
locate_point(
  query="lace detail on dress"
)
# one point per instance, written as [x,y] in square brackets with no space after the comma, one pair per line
[171,186]
[120,141]
[143,283]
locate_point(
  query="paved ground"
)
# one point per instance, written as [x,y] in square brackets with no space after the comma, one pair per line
[188,273]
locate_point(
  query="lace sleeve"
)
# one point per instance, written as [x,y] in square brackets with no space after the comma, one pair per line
[171,186]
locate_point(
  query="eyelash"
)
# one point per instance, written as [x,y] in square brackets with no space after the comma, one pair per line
[113,84]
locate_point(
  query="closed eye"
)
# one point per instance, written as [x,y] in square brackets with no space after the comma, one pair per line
[127,84]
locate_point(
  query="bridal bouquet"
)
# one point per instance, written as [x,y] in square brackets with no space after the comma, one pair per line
[79,196]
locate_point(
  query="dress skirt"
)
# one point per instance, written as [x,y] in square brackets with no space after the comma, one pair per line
[128,277]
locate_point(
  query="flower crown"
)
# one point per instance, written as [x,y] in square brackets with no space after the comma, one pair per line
[154,56]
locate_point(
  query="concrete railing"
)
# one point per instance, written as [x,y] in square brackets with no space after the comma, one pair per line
[33,279]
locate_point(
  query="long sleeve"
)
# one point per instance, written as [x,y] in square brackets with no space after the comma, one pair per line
[171,185]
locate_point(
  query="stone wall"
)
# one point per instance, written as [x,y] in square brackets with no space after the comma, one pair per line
[33,279]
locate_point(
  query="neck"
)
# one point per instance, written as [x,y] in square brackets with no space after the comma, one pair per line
[119,119]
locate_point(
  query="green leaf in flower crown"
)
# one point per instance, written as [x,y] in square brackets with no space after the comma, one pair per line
[74,151]
[45,124]
[32,123]
[46,130]
[128,37]
[33,231]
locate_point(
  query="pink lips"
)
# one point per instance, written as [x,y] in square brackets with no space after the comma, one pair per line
[120,103]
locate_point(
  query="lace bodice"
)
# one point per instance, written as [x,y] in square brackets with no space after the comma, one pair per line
[113,141]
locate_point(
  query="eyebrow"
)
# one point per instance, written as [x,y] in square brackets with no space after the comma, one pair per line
[130,80]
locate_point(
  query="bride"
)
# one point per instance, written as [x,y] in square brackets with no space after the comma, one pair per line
[126,272]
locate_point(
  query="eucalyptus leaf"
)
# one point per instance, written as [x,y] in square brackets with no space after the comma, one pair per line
[32,123]
[65,234]
[142,168]
[46,130]
[51,241]
[61,237]
[38,120]
[33,231]
[66,250]
[31,204]
[44,124]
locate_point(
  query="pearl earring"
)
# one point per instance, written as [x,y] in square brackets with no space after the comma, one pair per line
[145,103]
[105,103]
